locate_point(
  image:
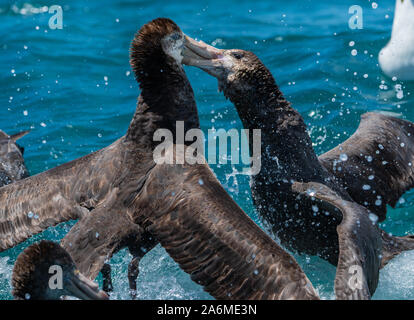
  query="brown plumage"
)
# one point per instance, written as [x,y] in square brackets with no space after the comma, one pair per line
[94,240]
[359,244]
[75,189]
[12,167]
[36,265]
[185,208]
[379,155]
[306,224]
[125,199]
[212,239]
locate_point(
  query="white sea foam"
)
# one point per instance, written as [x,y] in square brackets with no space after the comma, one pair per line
[28,9]
[159,278]
[397,278]
[5,275]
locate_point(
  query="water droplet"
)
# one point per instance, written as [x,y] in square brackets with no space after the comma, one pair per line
[311,192]
[343,157]
[366,187]
[373,217]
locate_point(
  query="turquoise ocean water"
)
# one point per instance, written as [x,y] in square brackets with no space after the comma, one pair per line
[73,88]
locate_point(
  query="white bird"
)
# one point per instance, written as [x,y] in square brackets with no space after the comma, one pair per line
[396,59]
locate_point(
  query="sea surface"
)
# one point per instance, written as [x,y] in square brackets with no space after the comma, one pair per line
[73,88]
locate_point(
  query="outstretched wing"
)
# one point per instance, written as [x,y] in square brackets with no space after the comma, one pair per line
[212,239]
[13,137]
[64,193]
[359,244]
[19,135]
[12,167]
[96,237]
[376,164]
[32,205]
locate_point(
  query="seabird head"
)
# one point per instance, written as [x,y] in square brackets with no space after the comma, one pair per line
[158,41]
[237,71]
[32,274]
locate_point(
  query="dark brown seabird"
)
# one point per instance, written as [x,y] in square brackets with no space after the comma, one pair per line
[371,169]
[12,167]
[32,274]
[81,187]
[207,225]
[124,198]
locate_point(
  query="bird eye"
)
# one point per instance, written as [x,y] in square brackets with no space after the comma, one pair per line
[237,55]
[175,36]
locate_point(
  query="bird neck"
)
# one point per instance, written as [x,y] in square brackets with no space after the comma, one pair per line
[166,97]
[286,148]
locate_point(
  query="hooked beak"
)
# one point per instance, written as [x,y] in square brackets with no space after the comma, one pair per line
[81,287]
[200,54]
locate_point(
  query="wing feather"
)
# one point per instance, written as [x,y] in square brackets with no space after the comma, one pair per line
[213,240]
[97,236]
[30,206]
[64,193]
[379,165]
[360,245]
